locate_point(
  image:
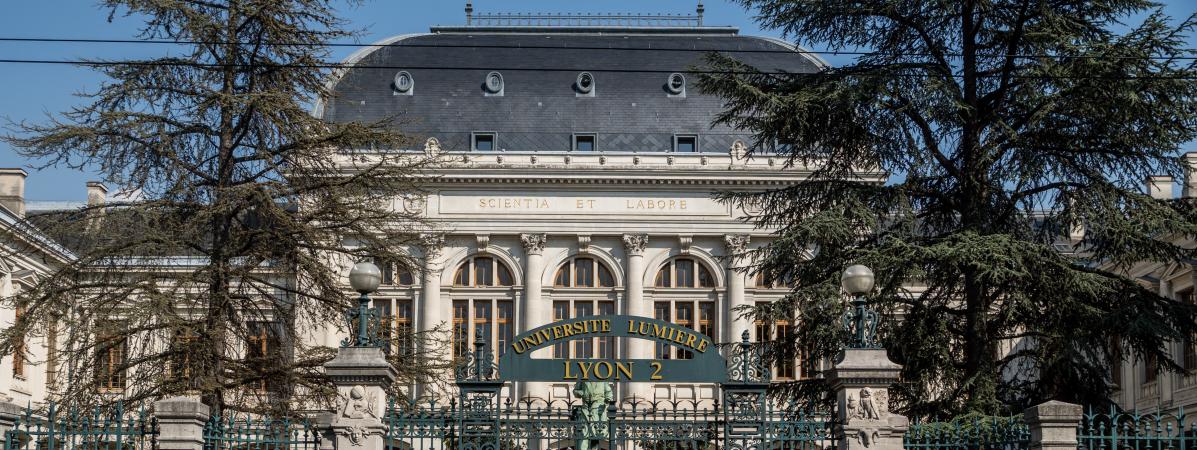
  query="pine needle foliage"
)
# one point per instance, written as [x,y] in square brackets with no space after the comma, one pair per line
[1003,126]
[246,210]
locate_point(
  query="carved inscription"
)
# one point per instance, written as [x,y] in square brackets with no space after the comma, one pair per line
[686,204]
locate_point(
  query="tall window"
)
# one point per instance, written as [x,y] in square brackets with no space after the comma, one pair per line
[111,348]
[1151,368]
[397,325]
[583,272]
[1116,362]
[493,319]
[684,273]
[1190,347]
[263,348]
[776,333]
[18,350]
[183,366]
[482,271]
[696,315]
[603,347]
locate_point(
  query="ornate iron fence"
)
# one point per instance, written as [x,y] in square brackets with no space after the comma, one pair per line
[981,433]
[245,432]
[1136,431]
[101,429]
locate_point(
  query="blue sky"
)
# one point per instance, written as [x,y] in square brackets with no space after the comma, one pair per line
[30,92]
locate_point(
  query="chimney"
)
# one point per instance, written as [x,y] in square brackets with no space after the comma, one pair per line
[1159,187]
[97,193]
[1188,161]
[12,190]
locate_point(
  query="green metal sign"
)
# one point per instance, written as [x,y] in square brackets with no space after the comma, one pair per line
[705,364]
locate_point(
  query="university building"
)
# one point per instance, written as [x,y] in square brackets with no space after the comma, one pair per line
[579,175]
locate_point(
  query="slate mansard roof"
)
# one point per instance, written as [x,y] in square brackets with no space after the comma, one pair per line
[541,108]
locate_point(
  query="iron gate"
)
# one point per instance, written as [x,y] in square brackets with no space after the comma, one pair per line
[478,419]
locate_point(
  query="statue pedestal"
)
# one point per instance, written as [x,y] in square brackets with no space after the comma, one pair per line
[361,375]
[861,381]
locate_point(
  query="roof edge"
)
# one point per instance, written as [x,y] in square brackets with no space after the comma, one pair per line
[547,29]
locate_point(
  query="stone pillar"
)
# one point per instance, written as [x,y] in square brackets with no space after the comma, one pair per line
[736,244]
[535,311]
[1053,425]
[360,374]
[181,423]
[861,381]
[9,412]
[637,348]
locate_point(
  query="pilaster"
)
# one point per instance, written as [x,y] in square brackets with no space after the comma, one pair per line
[535,311]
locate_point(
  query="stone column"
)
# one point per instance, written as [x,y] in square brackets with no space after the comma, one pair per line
[1053,425]
[534,310]
[736,244]
[431,311]
[360,374]
[181,423]
[861,382]
[637,348]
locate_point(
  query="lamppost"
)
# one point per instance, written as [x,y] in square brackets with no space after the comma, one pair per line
[861,321]
[364,278]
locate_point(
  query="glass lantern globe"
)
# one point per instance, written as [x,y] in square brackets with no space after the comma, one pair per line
[365,277]
[857,280]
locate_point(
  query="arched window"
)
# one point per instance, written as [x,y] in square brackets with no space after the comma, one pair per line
[684,273]
[583,272]
[759,281]
[482,271]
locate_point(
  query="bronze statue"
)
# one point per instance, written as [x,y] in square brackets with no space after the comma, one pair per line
[591,414]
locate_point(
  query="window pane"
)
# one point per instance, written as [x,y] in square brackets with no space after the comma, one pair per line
[704,277]
[663,278]
[584,143]
[484,272]
[605,279]
[685,318]
[606,344]
[505,327]
[388,273]
[661,312]
[484,142]
[504,275]
[462,276]
[583,348]
[562,277]
[403,329]
[584,272]
[560,312]
[461,327]
[406,278]
[686,144]
[684,270]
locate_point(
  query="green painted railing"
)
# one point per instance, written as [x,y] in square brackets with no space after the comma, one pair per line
[71,429]
[1123,430]
[246,432]
[980,433]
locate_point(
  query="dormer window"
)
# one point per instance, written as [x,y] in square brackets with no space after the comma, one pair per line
[585,84]
[483,142]
[685,143]
[676,85]
[584,142]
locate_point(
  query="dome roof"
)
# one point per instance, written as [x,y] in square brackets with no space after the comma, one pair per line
[440,85]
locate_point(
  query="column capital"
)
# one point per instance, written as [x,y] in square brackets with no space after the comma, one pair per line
[635,243]
[432,243]
[533,243]
[736,243]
